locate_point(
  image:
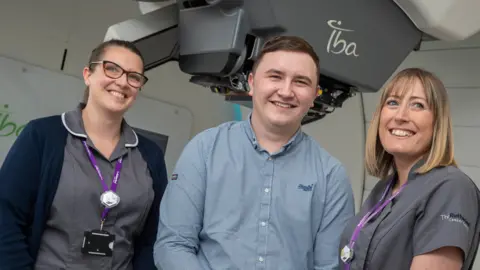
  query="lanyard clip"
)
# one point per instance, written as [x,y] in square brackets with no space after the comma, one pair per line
[101,224]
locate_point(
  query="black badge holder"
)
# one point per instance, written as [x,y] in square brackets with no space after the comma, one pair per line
[98,243]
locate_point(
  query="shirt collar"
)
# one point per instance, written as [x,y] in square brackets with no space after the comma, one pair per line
[247,124]
[413,171]
[73,122]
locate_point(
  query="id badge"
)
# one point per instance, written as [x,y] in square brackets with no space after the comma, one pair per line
[98,243]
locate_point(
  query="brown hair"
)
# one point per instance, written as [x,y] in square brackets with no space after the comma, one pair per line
[290,44]
[378,162]
[99,51]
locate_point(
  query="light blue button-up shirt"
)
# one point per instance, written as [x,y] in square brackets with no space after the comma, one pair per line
[231,205]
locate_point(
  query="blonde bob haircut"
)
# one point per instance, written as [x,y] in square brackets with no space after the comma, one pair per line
[378,162]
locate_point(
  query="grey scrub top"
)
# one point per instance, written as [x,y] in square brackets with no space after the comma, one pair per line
[76,207]
[434,210]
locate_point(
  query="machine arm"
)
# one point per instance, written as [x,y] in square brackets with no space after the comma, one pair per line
[360,42]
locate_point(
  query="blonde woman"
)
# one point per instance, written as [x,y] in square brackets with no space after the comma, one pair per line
[424,212]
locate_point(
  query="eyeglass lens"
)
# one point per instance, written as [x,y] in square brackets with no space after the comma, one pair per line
[114,71]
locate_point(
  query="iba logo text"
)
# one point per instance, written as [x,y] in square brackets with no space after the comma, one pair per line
[8,126]
[337,44]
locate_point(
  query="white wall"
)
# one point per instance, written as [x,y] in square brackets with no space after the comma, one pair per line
[458,66]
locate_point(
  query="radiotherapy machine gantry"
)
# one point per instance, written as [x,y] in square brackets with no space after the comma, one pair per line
[360,42]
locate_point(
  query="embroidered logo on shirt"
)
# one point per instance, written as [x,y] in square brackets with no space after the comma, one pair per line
[456,217]
[174,176]
[305,188]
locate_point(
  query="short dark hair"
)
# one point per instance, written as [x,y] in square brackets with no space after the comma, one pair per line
[99,51]
[290,44]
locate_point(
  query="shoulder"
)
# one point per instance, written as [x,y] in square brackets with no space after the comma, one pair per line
[206,139]
[452,182]
[146,145]
[154,157]
[329,163]
[46,123]
[454,173]
[223,129]
[450,178]
[150,151]
[43,128]
[443,189]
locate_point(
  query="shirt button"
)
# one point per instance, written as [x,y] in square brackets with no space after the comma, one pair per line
[269,158]
[267,190]
[263,224]
[260,259]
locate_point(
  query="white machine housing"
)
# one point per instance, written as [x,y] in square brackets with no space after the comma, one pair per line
[449,20]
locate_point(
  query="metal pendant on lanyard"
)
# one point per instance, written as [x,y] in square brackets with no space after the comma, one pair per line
[100,242]
[109,198]
[347,254]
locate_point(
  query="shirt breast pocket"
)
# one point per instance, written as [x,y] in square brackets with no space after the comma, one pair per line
[296,200]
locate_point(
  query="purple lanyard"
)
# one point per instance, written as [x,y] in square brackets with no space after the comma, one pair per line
[381,204]
[116,176]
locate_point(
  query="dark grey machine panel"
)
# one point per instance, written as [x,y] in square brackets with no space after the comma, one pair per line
[360,42]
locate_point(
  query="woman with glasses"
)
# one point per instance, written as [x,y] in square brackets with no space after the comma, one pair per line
[81,190]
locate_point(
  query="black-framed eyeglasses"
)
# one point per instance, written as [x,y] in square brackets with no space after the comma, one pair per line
[114,71]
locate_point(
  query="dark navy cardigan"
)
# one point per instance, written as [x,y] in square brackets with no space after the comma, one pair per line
[28,181]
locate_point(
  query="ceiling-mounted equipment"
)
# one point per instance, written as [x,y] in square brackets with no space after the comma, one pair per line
[360,42]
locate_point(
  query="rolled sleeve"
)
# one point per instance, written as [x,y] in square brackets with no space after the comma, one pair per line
[181,211]
[449,217]
[339,208]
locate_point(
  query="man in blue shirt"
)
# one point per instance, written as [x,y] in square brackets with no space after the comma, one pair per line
[260,193]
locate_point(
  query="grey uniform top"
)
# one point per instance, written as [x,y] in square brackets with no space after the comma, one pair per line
[434,210]
[76,207]
[232,205]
